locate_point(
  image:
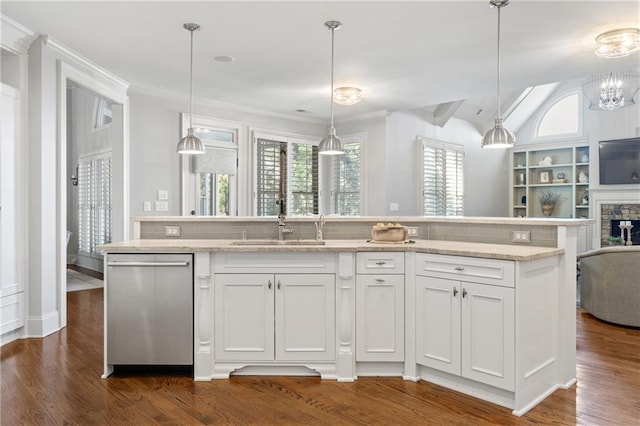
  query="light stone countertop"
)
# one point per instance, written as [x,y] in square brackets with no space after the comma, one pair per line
[455,248]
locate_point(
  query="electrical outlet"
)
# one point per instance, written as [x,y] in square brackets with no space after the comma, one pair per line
[146,206]
[412,231]
[520,236]
[394,207]
[172,231]
[162,206]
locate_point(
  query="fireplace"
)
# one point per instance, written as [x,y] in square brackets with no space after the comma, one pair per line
[610,217]
[616,231]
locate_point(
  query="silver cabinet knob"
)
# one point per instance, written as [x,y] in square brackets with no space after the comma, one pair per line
[459,268]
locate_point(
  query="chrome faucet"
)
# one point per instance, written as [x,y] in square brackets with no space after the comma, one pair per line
[319,226]
[282,227]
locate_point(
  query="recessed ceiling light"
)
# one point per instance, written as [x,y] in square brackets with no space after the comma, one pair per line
[223,58]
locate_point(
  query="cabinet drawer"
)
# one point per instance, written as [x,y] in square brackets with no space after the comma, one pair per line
[380,262]
[485,271]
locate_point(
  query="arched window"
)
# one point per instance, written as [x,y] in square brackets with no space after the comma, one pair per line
[560,119]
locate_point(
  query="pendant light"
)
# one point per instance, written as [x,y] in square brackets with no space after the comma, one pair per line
[190,144]
[331,145]
[498,137]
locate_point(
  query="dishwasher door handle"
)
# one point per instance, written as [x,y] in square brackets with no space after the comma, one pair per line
[181,263]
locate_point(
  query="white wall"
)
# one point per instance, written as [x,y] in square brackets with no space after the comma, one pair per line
[155,132]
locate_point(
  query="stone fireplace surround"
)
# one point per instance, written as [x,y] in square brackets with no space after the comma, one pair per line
[612,204]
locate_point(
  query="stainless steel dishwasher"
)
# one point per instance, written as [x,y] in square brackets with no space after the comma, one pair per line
[149,305]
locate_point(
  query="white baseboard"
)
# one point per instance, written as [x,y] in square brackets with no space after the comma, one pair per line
[44,325]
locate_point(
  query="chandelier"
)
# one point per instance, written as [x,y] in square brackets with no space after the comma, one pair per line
[347,95]
[612,90]
[617,43]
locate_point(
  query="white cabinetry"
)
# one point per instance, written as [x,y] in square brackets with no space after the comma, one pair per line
[266,316]
[270,317]
[465,318]
[380,306]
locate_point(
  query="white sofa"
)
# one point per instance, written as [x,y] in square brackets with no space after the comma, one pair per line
[610,284]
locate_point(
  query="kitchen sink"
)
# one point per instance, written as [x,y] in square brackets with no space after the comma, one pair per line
[278,243]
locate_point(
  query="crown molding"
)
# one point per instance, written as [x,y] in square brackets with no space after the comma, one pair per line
[15,37]
[222,105]
[76,59]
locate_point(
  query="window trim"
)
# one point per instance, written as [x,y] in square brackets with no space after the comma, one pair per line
[548,106]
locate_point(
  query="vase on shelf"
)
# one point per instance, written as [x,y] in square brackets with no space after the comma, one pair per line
[548,208]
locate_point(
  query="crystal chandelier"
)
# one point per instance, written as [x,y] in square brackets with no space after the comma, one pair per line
[618,43]
[612,90]
[611,94]
[347,95]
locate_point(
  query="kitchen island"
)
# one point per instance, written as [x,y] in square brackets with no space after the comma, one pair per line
[495,321]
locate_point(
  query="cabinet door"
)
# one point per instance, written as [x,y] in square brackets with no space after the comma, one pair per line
[244,317]
[438,323]
[380,318]
[305,317]
[488,341]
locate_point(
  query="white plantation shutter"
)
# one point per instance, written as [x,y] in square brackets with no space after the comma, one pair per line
[94,202]
[442,179]
[296,164]
[268,170]
[302,192]
[345,181]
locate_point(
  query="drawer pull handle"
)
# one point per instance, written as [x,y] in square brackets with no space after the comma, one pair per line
[380,280]
[269,285]
[459,268]
[380,262]
[464,292]
[455,292]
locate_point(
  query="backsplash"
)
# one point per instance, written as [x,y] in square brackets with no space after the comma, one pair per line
[335,229]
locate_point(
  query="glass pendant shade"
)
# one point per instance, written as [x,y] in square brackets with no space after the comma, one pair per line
[498,137]
[190,144]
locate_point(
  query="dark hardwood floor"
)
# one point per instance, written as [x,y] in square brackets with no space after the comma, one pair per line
[56,380]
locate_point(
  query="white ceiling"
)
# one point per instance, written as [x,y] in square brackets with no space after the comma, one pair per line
[404,55]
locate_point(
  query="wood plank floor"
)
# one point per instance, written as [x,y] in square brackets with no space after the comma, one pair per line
[56,381]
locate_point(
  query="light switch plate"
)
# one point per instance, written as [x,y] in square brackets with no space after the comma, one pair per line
[163,194]
[162,206]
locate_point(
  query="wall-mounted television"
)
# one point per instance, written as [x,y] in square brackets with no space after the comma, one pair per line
[620,161]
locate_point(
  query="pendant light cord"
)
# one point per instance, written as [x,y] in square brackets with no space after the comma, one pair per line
[191,83]
[333,31]
[498,77]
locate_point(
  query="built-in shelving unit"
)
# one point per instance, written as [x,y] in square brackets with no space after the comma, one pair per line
[562,170]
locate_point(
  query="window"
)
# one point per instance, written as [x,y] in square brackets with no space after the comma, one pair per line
[345,180]
[286,176]
[94,202]
[210,180]
[102,115]
[562,118]
[442,179]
